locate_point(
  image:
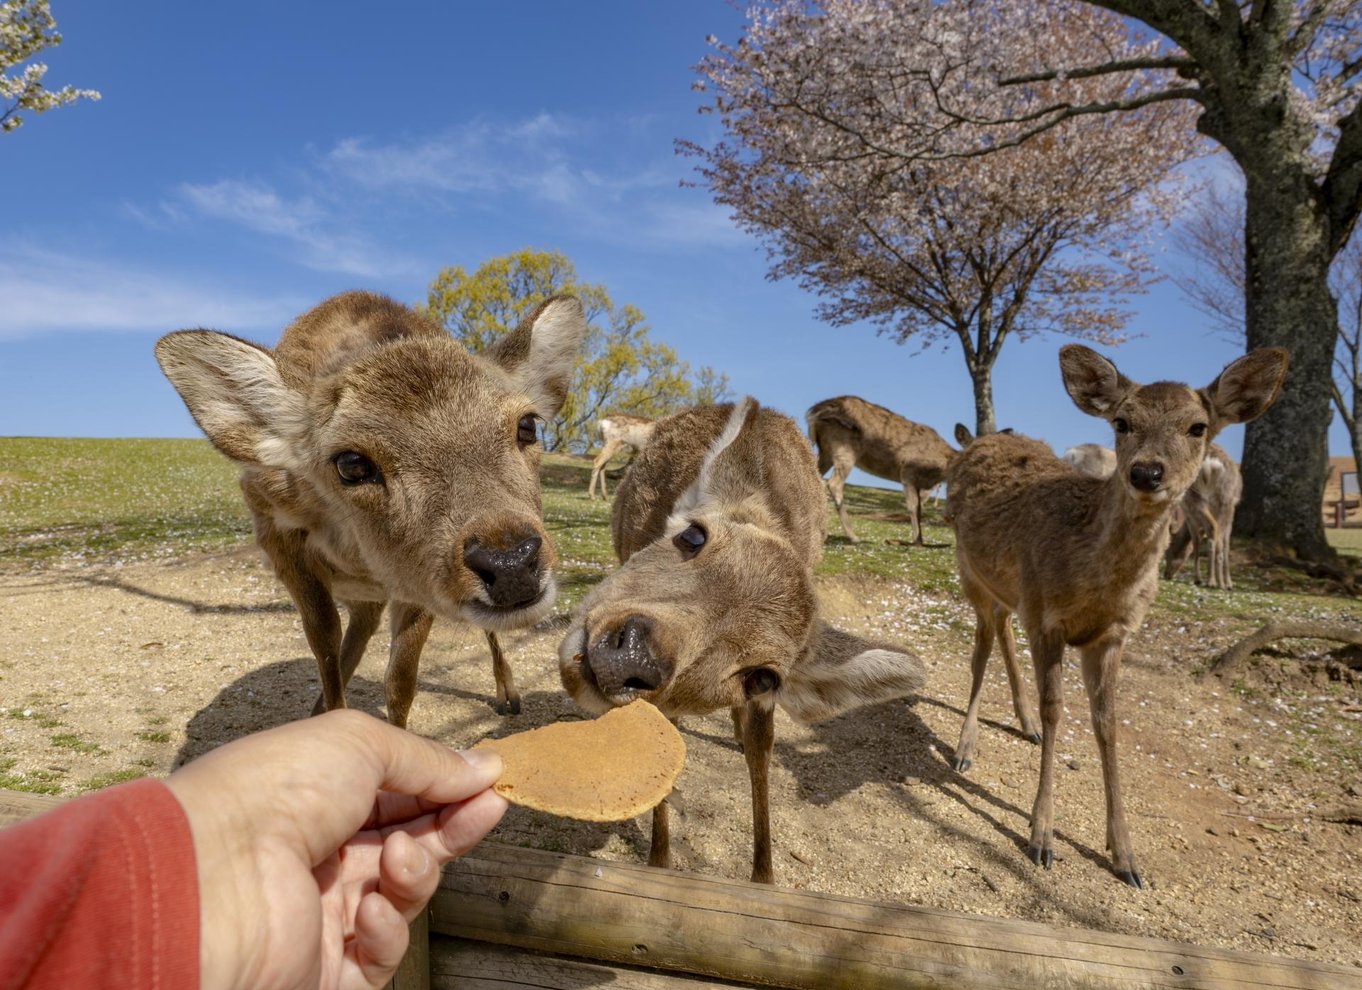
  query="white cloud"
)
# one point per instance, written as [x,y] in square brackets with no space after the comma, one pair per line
[302,223]
[43,291]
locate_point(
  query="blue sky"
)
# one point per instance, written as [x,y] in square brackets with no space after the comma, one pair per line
[249,159]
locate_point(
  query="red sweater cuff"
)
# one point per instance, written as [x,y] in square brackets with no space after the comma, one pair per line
[101,893]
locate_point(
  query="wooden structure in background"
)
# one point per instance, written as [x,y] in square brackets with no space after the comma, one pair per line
[1342,502]
[507,917]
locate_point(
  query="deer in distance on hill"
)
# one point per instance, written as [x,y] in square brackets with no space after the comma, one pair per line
[1077,557]
[850,432]
[617,430]
[718,524]
[382,462]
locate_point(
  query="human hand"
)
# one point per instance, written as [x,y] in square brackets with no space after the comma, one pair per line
[318,841]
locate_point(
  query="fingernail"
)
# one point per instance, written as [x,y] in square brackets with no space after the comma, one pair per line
[485,760]
[418,862]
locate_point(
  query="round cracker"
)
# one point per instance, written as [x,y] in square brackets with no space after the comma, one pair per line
[607,769]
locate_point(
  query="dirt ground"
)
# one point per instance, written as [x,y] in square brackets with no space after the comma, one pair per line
[1245,824]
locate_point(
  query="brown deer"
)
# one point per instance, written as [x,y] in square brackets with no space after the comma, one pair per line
[718,524]
[381,461]
[1077,557]
[617,430]
[850,432]
[1205,521]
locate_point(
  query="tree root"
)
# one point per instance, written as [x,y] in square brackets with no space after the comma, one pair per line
[1240,651]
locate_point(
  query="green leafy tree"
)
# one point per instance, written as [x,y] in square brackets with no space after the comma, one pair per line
[621,370]
[27,28]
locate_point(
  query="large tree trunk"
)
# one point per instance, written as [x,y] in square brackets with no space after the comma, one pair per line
[981,373]
[1288,304]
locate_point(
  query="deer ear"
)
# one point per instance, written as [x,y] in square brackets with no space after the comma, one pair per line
[1091,380]
[962,434]
[235,393]
[841,671]
[1247,387]
[541,353]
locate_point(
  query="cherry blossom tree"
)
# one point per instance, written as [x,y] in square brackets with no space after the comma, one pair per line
[838,120]
[1275,83]
[27,28]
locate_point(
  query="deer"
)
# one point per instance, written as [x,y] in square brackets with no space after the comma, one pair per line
[1206,520]
[718,523]
[1092,458]
[850,432]
[617,430]
[1076,557]
[382,462]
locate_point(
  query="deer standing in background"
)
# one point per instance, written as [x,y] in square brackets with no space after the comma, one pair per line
[718,524]
[850,432]
[1092,459]
[381,461]
[1206,520]
[1077,557]
[617,430]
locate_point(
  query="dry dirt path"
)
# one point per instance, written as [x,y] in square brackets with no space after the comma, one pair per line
[111,672]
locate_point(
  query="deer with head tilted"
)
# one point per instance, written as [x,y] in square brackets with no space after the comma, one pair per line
[718,524]
[1077,557]
[382,462]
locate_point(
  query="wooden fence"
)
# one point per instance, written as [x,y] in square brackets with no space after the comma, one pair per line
[506,918]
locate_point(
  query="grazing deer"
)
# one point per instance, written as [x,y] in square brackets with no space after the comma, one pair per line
[616,430]
[1205,521]
[718,524]
[1092,459]
[1077,557]
[851,432]
[381,461]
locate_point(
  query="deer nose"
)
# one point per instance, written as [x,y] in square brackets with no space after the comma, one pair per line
[623,663]
[1146,476]
[511,576]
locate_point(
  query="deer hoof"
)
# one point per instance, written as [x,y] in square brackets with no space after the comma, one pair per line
[1131,877]
[509,707]
[960,764]
[1041,856]
[1032,737]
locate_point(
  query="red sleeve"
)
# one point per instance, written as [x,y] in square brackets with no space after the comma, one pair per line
[101,893]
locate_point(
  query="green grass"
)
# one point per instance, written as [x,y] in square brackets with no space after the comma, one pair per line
[63,499]
[68,740]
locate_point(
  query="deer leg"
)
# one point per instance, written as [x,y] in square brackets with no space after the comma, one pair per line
[660,849]
[759,735]
[983,646]
[913,498]
[836,484]
[410,627]
[364,619]
[1002,622]
[598,469]
[322,627]
[1101,664]
[739,715]
[508,699]
[1047,653]
[1225,581]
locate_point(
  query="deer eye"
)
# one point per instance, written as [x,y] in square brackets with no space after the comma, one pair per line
[759,681]
[356,469]
[1120,425]
[690,540]
[526,431]
[1197,430]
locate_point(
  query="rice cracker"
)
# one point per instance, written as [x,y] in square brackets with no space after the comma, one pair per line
[608,769]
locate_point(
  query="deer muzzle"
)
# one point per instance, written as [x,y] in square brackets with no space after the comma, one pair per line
[622,663]
[510,575]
